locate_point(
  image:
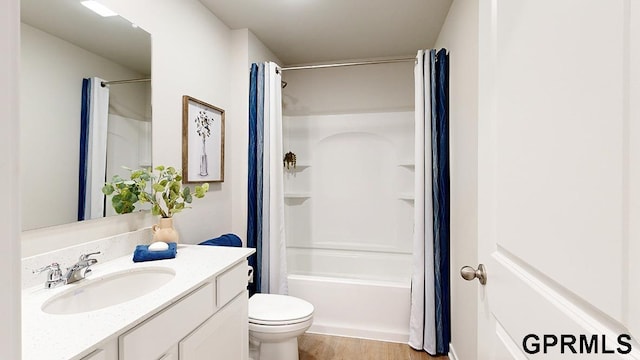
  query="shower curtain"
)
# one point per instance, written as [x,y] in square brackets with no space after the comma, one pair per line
[265,220]
[430,328]
[93,148]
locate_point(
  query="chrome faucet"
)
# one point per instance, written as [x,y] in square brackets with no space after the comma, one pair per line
[54,277]
[80,269]
[77,272]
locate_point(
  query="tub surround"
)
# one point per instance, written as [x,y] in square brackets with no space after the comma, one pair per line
[74,336]
[349,210]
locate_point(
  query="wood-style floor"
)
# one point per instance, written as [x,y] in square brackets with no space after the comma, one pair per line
[323,347]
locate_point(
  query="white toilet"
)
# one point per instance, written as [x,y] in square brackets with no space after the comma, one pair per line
[275,322]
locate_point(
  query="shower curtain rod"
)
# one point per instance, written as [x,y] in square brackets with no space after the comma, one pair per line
[115,82]
[371,62]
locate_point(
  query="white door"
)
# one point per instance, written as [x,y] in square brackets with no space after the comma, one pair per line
[559,166]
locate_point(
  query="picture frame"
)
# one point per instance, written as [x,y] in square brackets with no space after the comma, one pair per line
[202,141]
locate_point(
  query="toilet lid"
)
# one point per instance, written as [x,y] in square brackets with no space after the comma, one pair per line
[272,308]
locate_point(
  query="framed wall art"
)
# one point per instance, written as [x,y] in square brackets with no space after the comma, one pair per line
[202,141]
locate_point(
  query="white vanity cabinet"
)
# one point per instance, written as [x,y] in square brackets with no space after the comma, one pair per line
[210,322]
[199,313]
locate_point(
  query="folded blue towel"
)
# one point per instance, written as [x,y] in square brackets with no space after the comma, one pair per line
[142,253]
[224,240]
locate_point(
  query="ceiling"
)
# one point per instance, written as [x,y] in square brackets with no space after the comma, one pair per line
[312,31]
[112,37]
[297,31]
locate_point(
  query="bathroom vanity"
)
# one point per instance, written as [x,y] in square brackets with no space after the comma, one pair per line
[185,308]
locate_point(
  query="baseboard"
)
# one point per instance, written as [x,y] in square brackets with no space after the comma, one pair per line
[452,353]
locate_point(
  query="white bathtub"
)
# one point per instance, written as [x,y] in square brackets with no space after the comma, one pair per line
[356,308]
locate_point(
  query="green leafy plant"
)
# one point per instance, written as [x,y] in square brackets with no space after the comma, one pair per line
[162,189]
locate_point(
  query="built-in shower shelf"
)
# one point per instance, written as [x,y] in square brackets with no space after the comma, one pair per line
[297,195]
[406,196]
[298,168]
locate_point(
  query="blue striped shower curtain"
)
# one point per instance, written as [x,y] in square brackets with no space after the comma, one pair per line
[265,207]
[93,149]
[430,321]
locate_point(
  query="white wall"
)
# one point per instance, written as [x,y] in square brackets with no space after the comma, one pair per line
[459,35]
[257,51]
[51,76]
[239,130]
[10,332]
[190,57]
[632,311]
[354,89]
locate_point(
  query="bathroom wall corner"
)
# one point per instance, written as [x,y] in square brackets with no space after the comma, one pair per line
[10,314]
[459,35]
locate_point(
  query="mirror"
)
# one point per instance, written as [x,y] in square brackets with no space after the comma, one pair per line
[63,42]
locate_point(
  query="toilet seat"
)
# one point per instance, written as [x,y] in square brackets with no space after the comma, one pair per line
[281,322]
[278,310]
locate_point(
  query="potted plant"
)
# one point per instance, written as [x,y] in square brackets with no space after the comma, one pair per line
[162,189]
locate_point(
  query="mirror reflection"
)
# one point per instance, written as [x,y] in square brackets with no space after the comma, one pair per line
[62,43]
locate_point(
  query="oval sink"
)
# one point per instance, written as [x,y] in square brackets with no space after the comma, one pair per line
[107,291]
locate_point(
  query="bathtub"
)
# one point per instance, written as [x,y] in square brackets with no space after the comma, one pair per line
[368,309]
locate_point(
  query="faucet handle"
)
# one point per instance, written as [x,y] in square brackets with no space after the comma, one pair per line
[81,269]
[53,267]
[54,277]
[84,257]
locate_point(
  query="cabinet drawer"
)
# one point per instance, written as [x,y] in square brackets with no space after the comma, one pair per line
[231,283]
[152,338]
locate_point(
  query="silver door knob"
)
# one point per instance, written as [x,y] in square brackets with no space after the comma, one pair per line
[468,273]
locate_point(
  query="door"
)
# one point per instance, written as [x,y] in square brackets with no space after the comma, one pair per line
[558,181]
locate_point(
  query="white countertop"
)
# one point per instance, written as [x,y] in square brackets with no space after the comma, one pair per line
[72,336]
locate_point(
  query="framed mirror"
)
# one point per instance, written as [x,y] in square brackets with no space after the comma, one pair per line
[62,43]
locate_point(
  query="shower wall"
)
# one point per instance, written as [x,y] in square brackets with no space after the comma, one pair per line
[349,200]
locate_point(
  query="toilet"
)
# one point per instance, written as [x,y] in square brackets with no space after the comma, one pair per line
[275,322]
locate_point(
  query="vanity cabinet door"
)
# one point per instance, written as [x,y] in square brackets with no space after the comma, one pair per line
[152,339]
[223,336]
